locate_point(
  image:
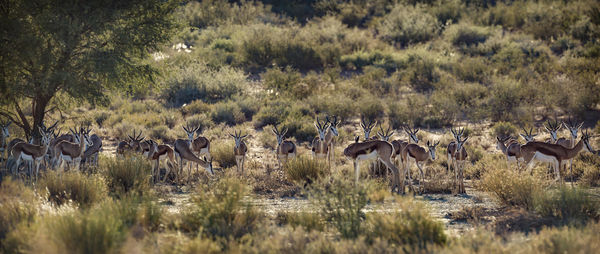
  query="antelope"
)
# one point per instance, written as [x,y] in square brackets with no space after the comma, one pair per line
[418,154]
[31,153]
[201,145]
[285,149]
[66,151]
[554,154]
[553,129]
[452,148]
[183,152]
[333,131]
[158,153]
[385,136]
[135,141]
[320,147]
[399,145]
[512,150]
[133,145]
[90,154]
[367,127]
[4,135]
[460,157]
[374,149]
[240,149]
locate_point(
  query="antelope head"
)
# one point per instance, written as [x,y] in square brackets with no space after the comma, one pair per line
[280,134]
[46,136]
[322,128]
[333,124]
[431,148]
[457,133]
[528,135]
[553,128]
[367,127]
[412,134]
[385,135]
[573,127]
[460,143]
[238,138]
[585,137]
[134,141]
[190,131]
[501,141]
[86,135]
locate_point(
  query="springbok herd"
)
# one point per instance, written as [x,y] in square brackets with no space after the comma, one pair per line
[78,148]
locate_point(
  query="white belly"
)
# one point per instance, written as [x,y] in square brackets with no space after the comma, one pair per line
[66,158]
[544,158]
[239,157]
[203,151]
[369,156]
[26,157]
[511,159]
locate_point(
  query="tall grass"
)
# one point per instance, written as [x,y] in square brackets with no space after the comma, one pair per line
[223,154]
[305,170]
[568,205]
[129,175]
[511,187]
[83,190]
[18,211]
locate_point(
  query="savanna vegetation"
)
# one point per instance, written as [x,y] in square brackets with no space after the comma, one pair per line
[495,68]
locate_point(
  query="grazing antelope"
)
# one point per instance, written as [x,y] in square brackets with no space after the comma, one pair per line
[374,149]
[452,147]
[183,152]
[31,153]
[158,153]
[72,152]
[320,148]
[460,157]
[418,155]
[133,145]
[556,155]
[4,135]
[90,155]
[285,149]
[239,150]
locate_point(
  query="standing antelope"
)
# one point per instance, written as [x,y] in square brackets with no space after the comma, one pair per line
[239,150]
[367,127]
[554,154]
[460,157]
[31,153]
[333,131]
[90,155]
[374,149]
[183,152]
[201,145]
[320,148]
[158,153]
[66,151]
[418,155]
[4,135]
[400,145]
[512,149]
[135,141]
[285,149]
[452,147]
[385,136]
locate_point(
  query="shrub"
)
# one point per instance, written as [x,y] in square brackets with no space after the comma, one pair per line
[412,226]
[480,168]
[218,211]
[300,128]
[511,187]
[463,35]
[73,186]
[228,113]
[591,169]
[407,25]
[370,108]
[340,203]
[568,205]
[272,114]
[309,221]
[223,154]
[125,176]
[195,107]
[162,133]
[304,170]
[504,129]
[18,208]
[422,73]
[100,117]
[377,58]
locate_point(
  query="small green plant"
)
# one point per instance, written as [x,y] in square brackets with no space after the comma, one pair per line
[309,221]
[73,186]
[504,129]
[223,154]
[127,175]
[304,170]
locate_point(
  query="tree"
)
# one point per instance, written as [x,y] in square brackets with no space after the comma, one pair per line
[77,48]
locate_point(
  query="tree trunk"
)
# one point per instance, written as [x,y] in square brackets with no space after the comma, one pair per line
[39,111]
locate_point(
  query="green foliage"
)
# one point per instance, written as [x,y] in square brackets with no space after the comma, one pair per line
[504,129]
[218,211]
[18,208]
[73,186]
[223,154]
[511,187]
[127,175]
[304,170]
[569,205]
[271,114]
[406,25]
[309,221]
[463,35]
[228,113]
[341,203]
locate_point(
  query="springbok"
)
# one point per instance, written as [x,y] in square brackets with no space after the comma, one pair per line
[452,147]
[367,127]
[418,155]
[90,155]
[374,149]
[4,135]
[400,145]
[460,158]
[157,153]
[556,155]
[333,131]
[512,149]
[132,145]
[72,152]
[285,149]
[183,152]
[320,148]
[239,150]
[31,153]
[201,145]
[384,135]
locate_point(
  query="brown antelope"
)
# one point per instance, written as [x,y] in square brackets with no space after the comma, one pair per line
[512,149]
[90,155]
[556,155]
[132,145]
[31,153]
[239,150]
[418,155]
[72,152]
[183,152]
[385,136]
[157,153]
[460,158]
[4,135]
[374,149]
[200,145]
[332,131]
[285,149]
[553,129]
[452,147]
[320,148]
[400,145]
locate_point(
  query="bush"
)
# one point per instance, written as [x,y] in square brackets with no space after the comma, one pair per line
[504,129]
[591,169]
[309,221]
[73,186]
[412,226]
[272,114]
[568,205]
[377,58]
[195,107]
[301,129]
[218,211]
[407,25]
[162,133]
[18,206]
[304,170]
[463,35]
[127,176]
[228,113]
[340,203]
[511,187]
[223,154]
